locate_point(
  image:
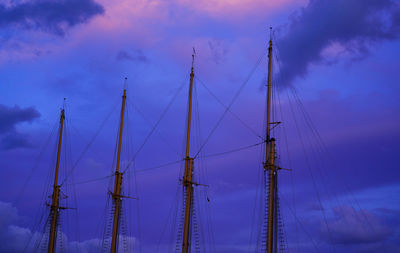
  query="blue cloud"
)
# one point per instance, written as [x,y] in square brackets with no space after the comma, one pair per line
[10,117]
[49,16]
[353,24]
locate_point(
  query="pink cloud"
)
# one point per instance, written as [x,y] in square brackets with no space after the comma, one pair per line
[233,9]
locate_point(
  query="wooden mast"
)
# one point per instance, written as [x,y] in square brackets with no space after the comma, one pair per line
[187,179]
[116,195]
[269,165]
[54,208]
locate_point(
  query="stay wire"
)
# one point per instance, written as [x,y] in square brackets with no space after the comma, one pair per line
[73,190]
[148,122]
[89,144]
[315,133]
[202,215]
[42,211]
[36,165]
[232,150]
[137,170]
[301,225]
[291,174]
[205,190]
[324,148]
[312,176]
[315,187]
[155,126]
[286,145]
[226,107]
[232,102]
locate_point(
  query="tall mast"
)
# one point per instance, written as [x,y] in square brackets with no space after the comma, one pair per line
[54,208]
[187,180]
[116,195]
[269,166]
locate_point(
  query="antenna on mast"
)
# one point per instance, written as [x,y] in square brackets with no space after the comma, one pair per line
[270,33]
[125,83]
[193,55]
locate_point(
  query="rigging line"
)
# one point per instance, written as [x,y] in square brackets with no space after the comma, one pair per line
[164,228]
[203,175]
[314,147]
[138,171]
[148,122]
[257,221]
[89,144]
[287,146]
[232,150]
[312,175]
[314,132]
[325,149]
[42,211]
[303,110]
[155,126]
[233,114]
[138,211]
[36,165]
[232,101]
[83,138]
[92,180]
[159,166]
[301,224]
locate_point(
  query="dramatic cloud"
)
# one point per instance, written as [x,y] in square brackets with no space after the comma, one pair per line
[50,16]
[10,117]
[325,26]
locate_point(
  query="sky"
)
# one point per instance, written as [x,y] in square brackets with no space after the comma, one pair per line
[336,94]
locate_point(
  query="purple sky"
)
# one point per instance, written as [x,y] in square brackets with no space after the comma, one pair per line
[335,62]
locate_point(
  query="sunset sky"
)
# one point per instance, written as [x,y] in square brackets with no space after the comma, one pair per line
[336,69]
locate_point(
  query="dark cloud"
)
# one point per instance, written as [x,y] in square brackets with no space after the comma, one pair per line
[135,56]
[10,117]
[353,24]
[50,16]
